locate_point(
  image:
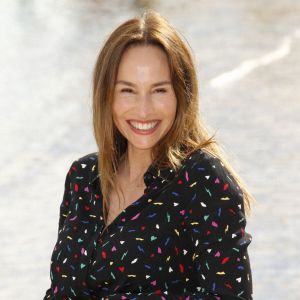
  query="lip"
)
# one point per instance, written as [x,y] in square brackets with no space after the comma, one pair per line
[143,122]
[141,131]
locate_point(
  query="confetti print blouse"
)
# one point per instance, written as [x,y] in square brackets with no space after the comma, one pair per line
[184,238]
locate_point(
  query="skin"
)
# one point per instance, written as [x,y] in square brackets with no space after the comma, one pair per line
[140,100]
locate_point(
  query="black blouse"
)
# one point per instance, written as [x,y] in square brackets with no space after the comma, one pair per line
[183,239]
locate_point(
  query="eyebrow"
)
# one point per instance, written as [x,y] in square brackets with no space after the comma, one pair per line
[154,84]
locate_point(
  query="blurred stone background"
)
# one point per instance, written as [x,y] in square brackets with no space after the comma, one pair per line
[247,55]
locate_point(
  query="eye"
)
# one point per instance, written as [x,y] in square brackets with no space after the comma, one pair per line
[126,90]
[161,91]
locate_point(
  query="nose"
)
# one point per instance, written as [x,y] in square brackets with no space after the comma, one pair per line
[144,105]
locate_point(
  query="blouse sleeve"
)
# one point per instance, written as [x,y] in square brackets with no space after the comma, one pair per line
[67,196]
[216,222]
[63,210]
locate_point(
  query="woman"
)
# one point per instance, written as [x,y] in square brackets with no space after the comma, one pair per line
[157,212]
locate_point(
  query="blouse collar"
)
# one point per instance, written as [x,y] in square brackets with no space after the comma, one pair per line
[152,173]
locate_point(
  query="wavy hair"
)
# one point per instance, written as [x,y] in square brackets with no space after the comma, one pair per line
[188,132]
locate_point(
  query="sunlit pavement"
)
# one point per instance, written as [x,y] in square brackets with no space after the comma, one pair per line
[247,54]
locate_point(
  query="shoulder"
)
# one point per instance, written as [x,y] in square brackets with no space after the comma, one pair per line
[209,179]
[203,166]
[85,168]
[89,158]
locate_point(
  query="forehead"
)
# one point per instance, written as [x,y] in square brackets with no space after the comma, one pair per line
[142,59]
[151,49]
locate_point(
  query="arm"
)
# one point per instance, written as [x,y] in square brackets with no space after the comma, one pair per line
[63,212]
[216,228]
[67,196]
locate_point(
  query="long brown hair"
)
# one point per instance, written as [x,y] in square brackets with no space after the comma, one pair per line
[188,132]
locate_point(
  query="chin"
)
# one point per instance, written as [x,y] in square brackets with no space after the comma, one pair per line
[142,146]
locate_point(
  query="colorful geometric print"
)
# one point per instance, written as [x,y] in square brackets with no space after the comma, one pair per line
[183,239]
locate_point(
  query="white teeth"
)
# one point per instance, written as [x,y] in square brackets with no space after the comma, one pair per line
[143,126]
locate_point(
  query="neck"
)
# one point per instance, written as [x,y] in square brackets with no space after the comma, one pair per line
[134,165]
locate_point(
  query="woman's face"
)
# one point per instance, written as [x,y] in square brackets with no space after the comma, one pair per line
[144,104]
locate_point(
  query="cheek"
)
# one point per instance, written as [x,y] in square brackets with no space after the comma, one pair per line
[120,106]
[116,113]
[169,107]
[117,109]
[173,109]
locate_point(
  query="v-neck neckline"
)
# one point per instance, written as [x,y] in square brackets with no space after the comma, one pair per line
[117,218]
[148,193]
[153,178]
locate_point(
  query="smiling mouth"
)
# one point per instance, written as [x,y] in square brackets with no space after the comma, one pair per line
[143,127]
